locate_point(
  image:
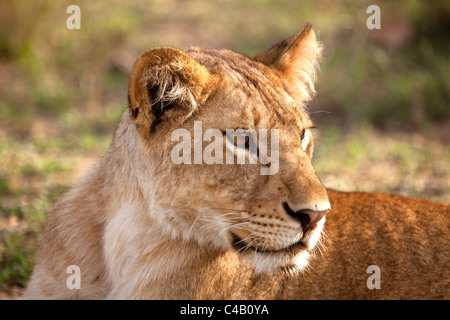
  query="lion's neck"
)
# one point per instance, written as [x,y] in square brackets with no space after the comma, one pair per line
[145,262]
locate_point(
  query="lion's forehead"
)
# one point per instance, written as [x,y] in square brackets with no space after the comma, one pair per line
[257,89]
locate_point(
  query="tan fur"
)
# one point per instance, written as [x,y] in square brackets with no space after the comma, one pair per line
[141,227]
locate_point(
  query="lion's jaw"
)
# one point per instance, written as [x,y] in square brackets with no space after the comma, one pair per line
[292,257]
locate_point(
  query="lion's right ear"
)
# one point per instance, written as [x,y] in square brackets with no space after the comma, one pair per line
[165,83]
[296,60]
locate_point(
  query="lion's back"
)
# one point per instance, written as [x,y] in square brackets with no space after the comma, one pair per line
[403,241]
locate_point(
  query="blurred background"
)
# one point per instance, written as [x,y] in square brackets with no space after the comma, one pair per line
[382,108]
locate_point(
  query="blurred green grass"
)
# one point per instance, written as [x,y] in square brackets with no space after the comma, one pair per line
[382,109]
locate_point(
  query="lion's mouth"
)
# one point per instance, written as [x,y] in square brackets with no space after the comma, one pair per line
[304,243]
[243,247]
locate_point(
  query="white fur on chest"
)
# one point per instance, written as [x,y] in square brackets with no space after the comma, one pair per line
[130,237]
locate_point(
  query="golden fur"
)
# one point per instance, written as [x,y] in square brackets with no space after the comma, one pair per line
[141,227]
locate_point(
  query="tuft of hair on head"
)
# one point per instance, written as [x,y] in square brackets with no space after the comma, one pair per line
[166,83]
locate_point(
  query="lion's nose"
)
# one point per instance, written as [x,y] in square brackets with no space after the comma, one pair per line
[307,217]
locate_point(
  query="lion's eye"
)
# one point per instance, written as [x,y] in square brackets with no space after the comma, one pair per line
[242,139]
[304,136]
[239,138]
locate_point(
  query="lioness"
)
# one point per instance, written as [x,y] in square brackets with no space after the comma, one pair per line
[139,226]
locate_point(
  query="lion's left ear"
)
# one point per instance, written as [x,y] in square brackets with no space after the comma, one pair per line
[296,60]
[165,84]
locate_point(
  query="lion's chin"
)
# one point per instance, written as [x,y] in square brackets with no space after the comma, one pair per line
[278,261]
[291,260]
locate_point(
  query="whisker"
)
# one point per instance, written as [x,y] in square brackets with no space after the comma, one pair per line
[212,224]
[224,224]
[185,240]
[229,209]
[247,246]
[217,221]
[249,237]
[319,111]
[318,248]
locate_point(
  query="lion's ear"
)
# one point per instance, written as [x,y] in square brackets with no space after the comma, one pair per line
[165,83]
[296,60]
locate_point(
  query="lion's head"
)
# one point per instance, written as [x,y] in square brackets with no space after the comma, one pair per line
[269,209]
